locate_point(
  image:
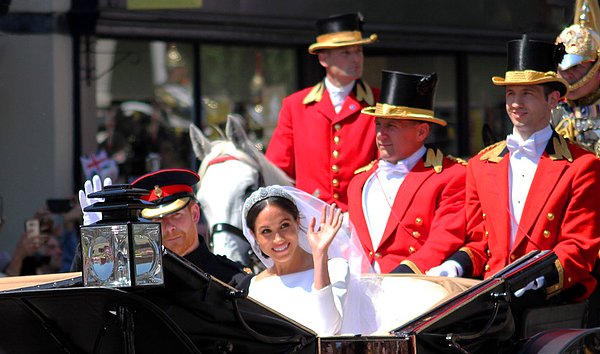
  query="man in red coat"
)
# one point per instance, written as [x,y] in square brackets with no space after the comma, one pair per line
[408,207]
[321,137]
[535,190]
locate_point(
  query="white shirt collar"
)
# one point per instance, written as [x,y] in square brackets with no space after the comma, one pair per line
[342,91]
[539,138]
[409,162]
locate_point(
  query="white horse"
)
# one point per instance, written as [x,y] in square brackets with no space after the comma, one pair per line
[230,170]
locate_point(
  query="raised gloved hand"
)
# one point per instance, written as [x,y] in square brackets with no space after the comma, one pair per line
[447,269]
[90,187]
[532,285]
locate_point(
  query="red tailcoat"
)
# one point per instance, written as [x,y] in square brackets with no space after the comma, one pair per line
[427,223]
[561,213]
[319,148]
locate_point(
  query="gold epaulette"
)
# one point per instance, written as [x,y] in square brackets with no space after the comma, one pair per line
[490,147]
[365,168]
[315,94]
[434,159]
[457,160]
[493,151]
[561,149]
[364,93]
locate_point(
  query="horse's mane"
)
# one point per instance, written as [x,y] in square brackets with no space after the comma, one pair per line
[271,173]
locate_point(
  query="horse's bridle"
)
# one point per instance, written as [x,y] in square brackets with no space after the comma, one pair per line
[226,227]
[223,226]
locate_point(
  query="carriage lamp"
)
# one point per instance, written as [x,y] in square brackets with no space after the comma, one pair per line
[119,250]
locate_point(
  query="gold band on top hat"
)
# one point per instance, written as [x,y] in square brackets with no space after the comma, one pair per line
[345,36]
[528,75]
[403,112]
[387,109]
[340,39]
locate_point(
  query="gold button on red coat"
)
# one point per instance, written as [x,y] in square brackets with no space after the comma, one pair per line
[550,216]
[377,255]
[416,234]
[487,268]
[547,234]
[336,196]
[337,127]
[335,182]
[487,234]
[411,250]
[419,221]
[512,257]
[370,253]
[336,154]
[336,140]
[484,216]
[335,168]
[488,253]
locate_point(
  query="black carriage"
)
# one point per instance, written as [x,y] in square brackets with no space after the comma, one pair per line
[196,313]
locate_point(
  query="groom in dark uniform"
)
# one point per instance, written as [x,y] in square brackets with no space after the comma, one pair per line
[175,207]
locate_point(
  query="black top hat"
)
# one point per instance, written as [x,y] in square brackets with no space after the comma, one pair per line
[340,23]
[533,63]
[340,31]
[170,190]
[406,96]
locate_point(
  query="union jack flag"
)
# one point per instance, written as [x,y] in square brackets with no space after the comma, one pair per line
[99,164]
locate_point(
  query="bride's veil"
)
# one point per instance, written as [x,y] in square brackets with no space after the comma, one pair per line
[358,312]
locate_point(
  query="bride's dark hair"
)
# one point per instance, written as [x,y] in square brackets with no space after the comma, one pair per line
[284,203]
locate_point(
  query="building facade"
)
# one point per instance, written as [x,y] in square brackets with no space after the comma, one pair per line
[128,77]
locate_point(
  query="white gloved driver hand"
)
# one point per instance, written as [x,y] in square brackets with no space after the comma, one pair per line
[533,285]
[447,269]
[90,187]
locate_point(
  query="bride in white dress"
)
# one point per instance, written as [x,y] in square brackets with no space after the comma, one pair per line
[316,271]
[301,281]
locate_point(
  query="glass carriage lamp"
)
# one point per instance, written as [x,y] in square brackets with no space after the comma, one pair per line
[119,250]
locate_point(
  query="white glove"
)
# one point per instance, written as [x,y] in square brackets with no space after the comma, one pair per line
[447,269]
[88,188]
[533,285]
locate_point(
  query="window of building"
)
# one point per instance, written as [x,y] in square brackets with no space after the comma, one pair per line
[249,81]
[147,94]
[488,121]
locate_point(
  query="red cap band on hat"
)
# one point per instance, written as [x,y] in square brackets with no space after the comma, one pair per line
[165,191]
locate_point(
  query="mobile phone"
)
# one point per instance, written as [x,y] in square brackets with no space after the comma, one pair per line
[32,227]
[58,206]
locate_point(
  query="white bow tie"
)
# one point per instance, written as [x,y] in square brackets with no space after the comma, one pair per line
[390,170]
[526,147]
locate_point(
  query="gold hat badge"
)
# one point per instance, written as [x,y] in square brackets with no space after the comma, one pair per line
[158,192]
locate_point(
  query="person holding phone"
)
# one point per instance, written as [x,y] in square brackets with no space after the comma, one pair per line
[29,254]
